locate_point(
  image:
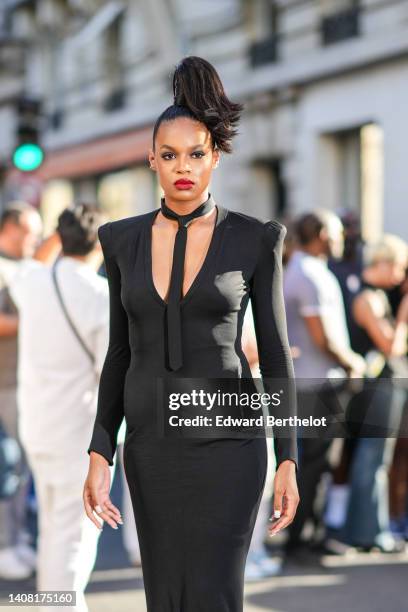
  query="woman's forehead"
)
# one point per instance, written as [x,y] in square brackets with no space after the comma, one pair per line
[182,133]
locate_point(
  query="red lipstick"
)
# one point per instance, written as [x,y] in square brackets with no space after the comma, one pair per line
[184,184]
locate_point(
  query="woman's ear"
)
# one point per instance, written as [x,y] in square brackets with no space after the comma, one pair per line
[216,158]
[152,160]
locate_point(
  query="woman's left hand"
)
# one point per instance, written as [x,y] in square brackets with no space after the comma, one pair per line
[285,495]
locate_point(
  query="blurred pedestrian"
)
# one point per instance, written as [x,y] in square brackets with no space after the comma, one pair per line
[317,328]
[377,410]
[398,476]
[399,469]
[348,268]
[63,339]
[20,230]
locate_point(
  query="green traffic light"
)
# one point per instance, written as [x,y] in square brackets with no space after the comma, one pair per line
[28,157]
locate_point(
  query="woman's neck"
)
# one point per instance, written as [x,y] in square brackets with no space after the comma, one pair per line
[184,208]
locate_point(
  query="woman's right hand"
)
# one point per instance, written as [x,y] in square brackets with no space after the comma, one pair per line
[96,493]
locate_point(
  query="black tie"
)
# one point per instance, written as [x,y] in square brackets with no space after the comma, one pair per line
[174,343]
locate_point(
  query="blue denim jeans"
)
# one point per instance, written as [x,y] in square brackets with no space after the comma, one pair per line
[367,519]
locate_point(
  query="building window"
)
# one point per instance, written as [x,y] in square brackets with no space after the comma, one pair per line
[270,201]
[351,174]
[115,96]
[372,181]
[340,20]
[262,17]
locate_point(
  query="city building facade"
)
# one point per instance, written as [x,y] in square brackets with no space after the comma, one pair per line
[324,84]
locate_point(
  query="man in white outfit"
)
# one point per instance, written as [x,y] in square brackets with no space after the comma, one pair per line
[58,375]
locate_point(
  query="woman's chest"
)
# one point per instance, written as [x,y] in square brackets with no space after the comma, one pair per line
[216,274]
[195,249]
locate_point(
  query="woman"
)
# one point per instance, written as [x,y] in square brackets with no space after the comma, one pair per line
[195,500]
[377,410]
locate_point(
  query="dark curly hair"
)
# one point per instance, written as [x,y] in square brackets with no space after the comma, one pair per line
[78,228]
[199,94]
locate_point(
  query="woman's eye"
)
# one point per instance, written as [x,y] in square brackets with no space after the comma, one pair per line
[196,155]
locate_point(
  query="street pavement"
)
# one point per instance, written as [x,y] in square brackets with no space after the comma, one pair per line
[372,582]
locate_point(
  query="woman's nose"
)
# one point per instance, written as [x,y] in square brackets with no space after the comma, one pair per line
[183,164]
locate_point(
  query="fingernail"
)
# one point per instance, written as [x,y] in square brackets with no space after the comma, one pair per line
[277,513]
[115,527]
[272,534]
[120,521]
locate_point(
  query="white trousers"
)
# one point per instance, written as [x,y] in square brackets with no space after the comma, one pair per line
[67,538]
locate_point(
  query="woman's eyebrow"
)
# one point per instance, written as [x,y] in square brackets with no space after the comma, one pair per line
[173,149]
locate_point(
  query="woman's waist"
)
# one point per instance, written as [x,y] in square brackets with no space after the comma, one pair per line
[205,360]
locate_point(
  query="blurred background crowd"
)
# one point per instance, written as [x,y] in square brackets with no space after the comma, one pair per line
[321,148]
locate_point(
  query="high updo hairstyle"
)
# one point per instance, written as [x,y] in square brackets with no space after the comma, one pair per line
[199,94]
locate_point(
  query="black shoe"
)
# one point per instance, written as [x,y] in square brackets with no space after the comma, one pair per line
[300,554]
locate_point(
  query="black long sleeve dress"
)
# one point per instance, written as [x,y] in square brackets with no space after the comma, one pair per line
[195,500]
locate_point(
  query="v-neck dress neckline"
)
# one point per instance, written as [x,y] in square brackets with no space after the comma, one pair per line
[211,252]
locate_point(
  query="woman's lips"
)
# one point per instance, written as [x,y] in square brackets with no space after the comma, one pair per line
[182,184]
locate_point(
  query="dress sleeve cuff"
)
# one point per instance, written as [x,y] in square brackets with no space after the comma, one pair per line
[101,443]
[286,449]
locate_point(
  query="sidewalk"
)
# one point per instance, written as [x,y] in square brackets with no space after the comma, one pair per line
[363,583]
[373,583]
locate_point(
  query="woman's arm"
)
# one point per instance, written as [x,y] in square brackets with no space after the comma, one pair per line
[342,354]
[275,361]
[389,340]
[8,325]
[110,410]
[401,327]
